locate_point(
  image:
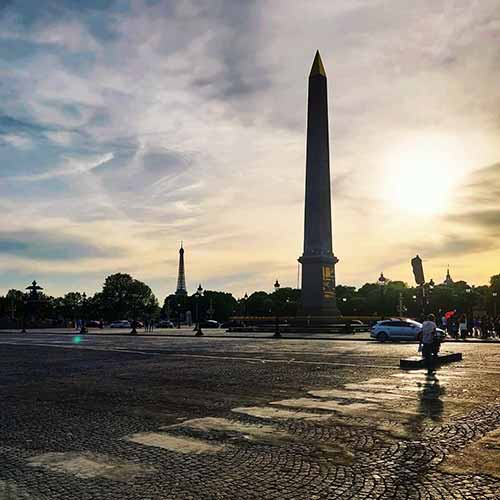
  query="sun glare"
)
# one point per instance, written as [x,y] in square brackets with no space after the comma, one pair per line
[421,176]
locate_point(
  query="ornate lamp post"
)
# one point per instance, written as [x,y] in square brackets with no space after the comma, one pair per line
[245,298]
[430,287]
[197,296]
[25,305]
[83,328]
[211,309]
[134,314]
[382,283]
[277,333]
[494,294]
[470,312]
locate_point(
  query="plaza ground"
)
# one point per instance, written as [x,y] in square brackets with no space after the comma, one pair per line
[120,417]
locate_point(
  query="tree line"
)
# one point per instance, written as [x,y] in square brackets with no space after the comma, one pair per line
[123,297]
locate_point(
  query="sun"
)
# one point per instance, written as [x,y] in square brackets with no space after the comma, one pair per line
[421,176]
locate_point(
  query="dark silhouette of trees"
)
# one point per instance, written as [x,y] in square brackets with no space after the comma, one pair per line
[122,296]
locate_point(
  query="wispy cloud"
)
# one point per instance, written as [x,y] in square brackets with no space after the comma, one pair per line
[69,167]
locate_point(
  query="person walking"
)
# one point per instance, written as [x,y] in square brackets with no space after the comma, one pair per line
[428,341]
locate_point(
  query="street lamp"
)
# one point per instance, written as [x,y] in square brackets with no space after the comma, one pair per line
[382,283]
[134,314]
[245,298]
[277,333]
[494,294]
[197,296]
[83,328]
[427,299]
[25,306]
[470,312]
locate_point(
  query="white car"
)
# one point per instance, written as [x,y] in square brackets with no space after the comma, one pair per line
[120,324]
[398,329]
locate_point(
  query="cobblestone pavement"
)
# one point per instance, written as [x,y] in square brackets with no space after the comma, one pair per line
[163,418]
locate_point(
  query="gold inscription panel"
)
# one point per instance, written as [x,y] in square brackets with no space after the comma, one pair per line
[328,282]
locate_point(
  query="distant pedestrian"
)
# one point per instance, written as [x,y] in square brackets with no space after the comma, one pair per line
[151,325]
[486,327]
[496,326]
[453,327]
[428,341]
[444,323]
[462,327]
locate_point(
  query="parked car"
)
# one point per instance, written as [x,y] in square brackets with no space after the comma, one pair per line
[209,323]
[93,324]
[398,329]
[354,325]
[232,324]
[165,323]
[120,324]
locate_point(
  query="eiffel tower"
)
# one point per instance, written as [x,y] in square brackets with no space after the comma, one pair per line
[181,277]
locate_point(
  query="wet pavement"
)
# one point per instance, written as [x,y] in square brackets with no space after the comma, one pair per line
[199,418]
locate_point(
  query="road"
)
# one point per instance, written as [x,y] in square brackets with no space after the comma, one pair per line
[105,416]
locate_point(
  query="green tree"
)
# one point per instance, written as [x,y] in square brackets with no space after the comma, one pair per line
[123,297]
[259,304]
[70,306]
[285,301]
[495,283]
[223,304]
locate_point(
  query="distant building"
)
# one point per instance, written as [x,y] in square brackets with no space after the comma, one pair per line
[181,277]
[448,280]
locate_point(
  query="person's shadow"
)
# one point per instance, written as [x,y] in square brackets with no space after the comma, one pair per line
[429,404]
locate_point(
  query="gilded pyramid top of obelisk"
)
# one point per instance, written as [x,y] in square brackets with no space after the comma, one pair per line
[317,67]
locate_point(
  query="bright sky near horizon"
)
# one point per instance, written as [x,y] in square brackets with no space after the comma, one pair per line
[128,126]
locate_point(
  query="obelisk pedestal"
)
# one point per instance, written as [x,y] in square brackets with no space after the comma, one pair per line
[318,261]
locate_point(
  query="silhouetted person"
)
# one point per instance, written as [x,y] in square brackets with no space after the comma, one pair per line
[428,341]
[462,327]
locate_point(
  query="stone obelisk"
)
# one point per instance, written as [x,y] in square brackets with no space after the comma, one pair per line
[318,261]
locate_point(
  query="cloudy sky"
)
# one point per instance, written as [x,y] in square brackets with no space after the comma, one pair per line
[128,126]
